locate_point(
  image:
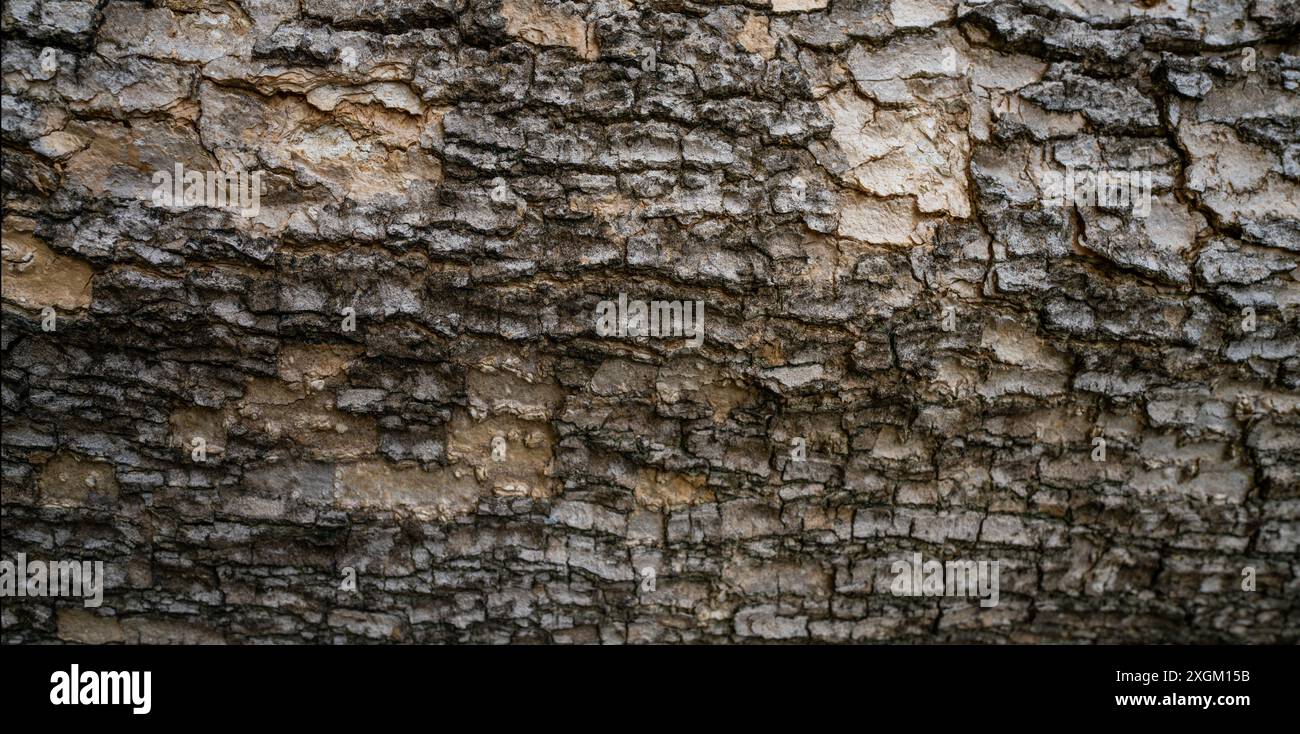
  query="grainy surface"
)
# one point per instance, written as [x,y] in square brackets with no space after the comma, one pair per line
[852,188]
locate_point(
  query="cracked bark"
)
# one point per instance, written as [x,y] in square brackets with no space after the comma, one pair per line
[473,176]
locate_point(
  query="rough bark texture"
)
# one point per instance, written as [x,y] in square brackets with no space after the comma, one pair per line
[852,187]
